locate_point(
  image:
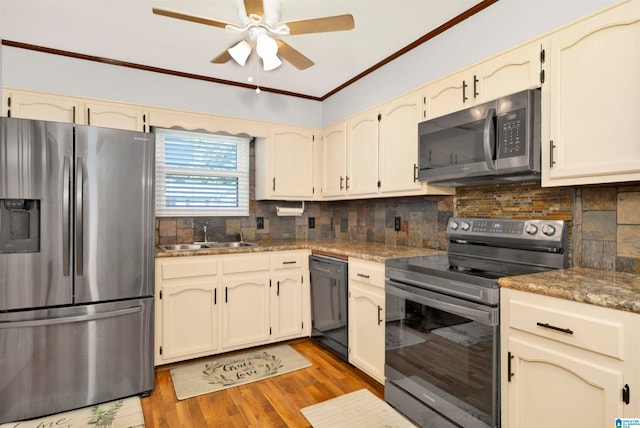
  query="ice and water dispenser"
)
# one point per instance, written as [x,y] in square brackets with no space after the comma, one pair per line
[19,225]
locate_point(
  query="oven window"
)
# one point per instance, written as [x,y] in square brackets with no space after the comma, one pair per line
[442,354]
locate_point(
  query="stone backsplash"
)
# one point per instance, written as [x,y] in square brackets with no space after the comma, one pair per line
[604,221]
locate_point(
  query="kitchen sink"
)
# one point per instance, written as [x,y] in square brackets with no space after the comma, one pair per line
[206,246]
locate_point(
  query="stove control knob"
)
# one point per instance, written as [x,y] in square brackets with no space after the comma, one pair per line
[454,225]
[548,230]
[465,225]
[531,229]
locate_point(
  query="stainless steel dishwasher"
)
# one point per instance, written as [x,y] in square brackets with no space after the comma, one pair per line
[329,295]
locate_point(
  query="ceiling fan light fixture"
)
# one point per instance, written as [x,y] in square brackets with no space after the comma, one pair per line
[240,52]
[267,49]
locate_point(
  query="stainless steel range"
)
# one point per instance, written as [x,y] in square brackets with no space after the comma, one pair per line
[442,321]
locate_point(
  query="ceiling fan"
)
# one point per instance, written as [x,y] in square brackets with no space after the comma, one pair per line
[261,27]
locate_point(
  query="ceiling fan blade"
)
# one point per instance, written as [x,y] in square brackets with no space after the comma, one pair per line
[322,25]
[293,56]
[192,18]
[254,7]
[222,58]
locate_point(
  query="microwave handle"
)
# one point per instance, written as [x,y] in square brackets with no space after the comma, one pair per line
[488,141]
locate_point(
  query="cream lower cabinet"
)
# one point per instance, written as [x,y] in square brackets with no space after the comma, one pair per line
[367,317]
[566,363]
[212,304]
[591,106]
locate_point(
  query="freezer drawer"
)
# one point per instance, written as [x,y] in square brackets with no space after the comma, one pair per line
[65,358]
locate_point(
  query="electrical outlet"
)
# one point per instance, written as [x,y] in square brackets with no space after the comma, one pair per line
[397,224]
[259,222]
[312,222]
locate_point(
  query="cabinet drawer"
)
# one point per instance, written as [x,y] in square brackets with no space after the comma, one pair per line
[367,272]
[245,263]
[286,261]
[187,267]
[581,325]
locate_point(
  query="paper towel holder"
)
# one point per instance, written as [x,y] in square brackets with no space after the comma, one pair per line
[290,211]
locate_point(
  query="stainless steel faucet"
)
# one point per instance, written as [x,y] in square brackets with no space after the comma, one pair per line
[205,230]
[241,236]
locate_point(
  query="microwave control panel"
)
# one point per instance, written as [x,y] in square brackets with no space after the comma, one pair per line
[512,133]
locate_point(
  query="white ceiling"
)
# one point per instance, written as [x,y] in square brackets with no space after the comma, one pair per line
[127,30]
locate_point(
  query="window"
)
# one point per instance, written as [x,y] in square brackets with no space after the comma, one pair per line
[200,174]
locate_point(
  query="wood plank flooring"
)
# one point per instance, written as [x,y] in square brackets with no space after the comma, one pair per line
[274,402]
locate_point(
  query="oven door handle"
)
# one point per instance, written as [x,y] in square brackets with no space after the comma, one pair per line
[487,316]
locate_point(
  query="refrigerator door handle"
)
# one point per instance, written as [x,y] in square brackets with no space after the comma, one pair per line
[79,220]
[67,320]
[66,215]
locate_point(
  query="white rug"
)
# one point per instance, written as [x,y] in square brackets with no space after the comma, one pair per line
[359,409]
[466,334]
[126,413]
[214,375]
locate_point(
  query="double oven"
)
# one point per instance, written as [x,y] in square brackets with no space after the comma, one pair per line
[442,346]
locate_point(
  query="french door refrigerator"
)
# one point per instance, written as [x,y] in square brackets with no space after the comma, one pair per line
[76,266]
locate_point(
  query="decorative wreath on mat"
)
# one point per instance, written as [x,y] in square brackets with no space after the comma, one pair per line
[210,373]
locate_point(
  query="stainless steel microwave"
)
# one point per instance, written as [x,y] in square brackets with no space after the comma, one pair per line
[494,142]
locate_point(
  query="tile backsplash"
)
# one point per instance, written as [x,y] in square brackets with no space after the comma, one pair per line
[604,221]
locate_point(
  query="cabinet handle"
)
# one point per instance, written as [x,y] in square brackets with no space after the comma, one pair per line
[509,373]
[464,91]
[215,296]
[293,262]
[341,180]
[347,183]
[278,289]
[553,327]
[415,172]
[551,148]
[274,184]
[226,295]
[88,116]
[363,275]
[379,312]
[626,394]
[475,86]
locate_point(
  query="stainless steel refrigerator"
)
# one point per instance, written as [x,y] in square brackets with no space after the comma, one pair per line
[76,266]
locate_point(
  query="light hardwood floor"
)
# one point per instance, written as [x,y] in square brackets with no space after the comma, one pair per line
[274,402]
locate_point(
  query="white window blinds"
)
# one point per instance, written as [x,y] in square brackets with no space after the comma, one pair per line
[200,174]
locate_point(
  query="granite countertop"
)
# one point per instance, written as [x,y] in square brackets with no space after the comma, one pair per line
[615,290]
[337,248]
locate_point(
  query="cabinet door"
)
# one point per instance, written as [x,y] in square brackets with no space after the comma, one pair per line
[40,106]
[362,154]
[593,100]
[245,313]
[291,162]
[189,318]
[335,160]
[286,305]
[113,115]
[399,144]
[552,387]
[366,329]
[514,71]
[163,118]
[449,94]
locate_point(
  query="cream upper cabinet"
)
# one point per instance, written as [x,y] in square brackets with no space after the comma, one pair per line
[284,164]
[592,102]
[512,71]
[398,142]
[334,143]
[115,115]
[42,106]
[166,118]
[362,154]
[566,363]
[367,317]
